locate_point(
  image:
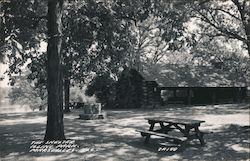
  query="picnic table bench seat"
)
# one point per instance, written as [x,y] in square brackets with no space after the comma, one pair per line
[167,136]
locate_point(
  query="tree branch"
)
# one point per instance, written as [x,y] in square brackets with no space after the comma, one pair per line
[128,18]
[227,12]
[221,29]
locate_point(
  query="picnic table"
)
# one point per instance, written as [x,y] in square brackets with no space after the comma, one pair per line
[188,128]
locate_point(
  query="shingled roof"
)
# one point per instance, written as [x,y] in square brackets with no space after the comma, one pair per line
[194,76]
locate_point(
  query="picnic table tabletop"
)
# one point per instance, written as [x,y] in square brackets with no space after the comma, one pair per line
[175,120]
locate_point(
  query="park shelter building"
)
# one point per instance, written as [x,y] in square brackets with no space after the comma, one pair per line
[193,85]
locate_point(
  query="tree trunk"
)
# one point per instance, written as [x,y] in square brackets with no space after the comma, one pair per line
[55,127]
[248,39]
[246,23]
[66,94]
[2,33]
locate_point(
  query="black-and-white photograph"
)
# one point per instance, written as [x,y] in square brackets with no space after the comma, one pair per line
[125,80]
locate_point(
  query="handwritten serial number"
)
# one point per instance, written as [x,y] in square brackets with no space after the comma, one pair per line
[167,149]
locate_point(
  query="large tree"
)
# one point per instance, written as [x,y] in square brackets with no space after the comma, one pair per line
[92,35]
[157,28]
[55,127]
[228,18]
[95,40]
[23,23]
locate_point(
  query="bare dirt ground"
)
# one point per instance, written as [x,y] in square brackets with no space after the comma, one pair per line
[115,138]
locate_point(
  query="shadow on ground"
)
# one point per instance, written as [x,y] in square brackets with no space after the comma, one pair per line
[115,138]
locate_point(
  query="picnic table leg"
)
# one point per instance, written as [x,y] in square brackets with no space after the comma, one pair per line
[165,129]
[186,131]
[199,135]
[152,124]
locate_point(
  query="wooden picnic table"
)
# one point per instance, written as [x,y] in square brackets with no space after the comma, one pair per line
[188,128]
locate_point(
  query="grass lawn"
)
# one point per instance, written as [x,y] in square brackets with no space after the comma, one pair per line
[115,138]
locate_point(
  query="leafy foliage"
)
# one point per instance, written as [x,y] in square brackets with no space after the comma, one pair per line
[157,28]
[24,19]
[24,26]
[103,36]
[97,41]
[25,93]
[229,19]
[129,89]
[103,87]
